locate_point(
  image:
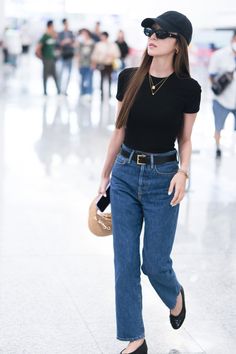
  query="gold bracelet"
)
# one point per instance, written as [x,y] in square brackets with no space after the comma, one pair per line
[184,172]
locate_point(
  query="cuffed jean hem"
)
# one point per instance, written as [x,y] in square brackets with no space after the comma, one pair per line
[131,339]
[170,306]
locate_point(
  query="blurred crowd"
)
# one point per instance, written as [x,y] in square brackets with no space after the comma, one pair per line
[92,50]
[14,42]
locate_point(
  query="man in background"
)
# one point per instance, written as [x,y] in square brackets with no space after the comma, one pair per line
[223,61]
[66,42]
[45,50]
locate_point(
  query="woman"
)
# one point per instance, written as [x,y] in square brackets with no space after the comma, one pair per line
[158,102]
[104,54]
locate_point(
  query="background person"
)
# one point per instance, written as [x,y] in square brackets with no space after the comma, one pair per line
[123,46]
[223,60]
[85,49]
[45,50]
[66,42]
[12,46]
[4,46]
[104,54]
[26,38]
[96,34]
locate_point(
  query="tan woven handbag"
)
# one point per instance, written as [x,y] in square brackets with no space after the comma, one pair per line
[100,224]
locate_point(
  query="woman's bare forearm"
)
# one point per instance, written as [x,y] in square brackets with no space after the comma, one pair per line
[184,141]
[185,151]
[113,149]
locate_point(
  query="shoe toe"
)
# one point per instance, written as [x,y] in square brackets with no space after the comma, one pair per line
[177,321]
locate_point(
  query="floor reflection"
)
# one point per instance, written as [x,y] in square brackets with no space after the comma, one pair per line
[51,154]
[73,129]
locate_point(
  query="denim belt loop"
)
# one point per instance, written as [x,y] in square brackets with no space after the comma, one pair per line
[152,161]
[177,156]
[130,156]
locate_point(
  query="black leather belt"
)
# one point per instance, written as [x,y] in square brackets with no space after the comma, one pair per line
[142,159]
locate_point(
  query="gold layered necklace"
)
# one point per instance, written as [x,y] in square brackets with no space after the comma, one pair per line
[156,87]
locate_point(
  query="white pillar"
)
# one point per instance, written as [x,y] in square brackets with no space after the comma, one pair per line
[2,16]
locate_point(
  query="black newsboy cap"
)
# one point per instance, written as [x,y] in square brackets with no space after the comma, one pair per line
[172,21]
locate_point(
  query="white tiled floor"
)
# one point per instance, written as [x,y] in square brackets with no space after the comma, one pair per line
[56,279]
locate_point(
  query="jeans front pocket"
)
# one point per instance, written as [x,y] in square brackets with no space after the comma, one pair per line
[167,168]
[121,160]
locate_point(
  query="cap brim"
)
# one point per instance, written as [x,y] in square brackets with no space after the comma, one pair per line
[149,22]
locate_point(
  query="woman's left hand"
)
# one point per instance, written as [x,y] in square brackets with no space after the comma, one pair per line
[177,184]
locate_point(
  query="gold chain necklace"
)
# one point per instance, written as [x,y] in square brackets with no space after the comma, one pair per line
[155,88]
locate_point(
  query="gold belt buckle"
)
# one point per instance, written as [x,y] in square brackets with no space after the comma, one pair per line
[138,162]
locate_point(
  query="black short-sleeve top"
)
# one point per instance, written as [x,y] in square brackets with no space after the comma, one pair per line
[155,121]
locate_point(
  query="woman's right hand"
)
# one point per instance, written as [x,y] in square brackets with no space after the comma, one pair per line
[103,186]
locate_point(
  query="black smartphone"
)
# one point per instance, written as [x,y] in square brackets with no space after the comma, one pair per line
[103,202]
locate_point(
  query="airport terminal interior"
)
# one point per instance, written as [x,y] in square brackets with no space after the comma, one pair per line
[56,277]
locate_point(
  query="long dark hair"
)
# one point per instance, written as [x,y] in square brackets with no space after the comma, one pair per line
[181,69]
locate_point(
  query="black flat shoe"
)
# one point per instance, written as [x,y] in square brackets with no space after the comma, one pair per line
[218,153]
[177,321]
[143,349]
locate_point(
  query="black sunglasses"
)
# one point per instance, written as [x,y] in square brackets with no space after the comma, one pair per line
[160,33]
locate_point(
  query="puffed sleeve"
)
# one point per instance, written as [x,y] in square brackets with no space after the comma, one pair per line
[192,97]
[123,80]
[121,86]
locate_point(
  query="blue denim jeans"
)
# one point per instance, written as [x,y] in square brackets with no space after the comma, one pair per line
[65,73]
[86,83]
[139,194]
